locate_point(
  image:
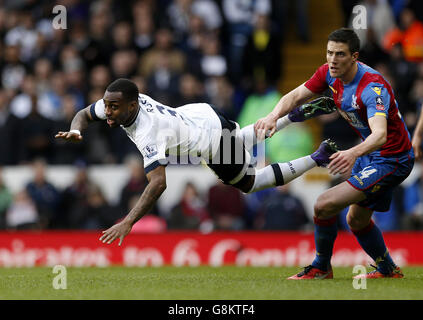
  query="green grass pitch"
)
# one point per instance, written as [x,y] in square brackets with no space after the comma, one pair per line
[201,283]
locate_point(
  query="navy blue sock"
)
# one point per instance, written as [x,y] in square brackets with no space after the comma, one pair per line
[325,232]
[371,240]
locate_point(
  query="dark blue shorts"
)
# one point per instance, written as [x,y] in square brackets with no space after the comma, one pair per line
[377,176]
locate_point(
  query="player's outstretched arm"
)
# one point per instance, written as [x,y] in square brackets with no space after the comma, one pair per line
[417,138]
[155,187]
[266,127]
[79,123]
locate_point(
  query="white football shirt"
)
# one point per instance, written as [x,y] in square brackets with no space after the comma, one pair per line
[192,130]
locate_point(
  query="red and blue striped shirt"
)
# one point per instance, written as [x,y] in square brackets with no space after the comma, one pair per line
[369,94]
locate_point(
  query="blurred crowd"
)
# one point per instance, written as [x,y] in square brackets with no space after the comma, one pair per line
[224,52]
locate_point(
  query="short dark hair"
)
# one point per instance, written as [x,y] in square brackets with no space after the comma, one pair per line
[348,36]
[128,88]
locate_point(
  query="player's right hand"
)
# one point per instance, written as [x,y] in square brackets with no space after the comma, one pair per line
[70,136]
[265,127]
[416,143]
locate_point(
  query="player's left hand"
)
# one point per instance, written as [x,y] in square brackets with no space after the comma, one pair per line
[119,230]
[341,162]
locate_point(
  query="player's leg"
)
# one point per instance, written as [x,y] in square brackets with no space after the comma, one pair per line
[314,108]
[377,179]
[326,210]
[248,179]
[278,174]
[371,240]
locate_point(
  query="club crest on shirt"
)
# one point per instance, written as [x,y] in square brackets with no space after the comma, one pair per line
[149,151]
[354,103]
[378,90]
[379,104]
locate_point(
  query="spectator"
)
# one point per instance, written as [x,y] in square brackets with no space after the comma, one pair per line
[144,30]
[101,20]
[209,12]
[163,80]
[72,197]
[22,213]
[44,194]
[123,63]
[163,43]
[191,212]
[282,211]
[409,34]
[254,202]
[21,105]
[43,69]
[212,62]
[404,73]
[100,77]
[23,35]
[413,36]
[178,13]
[221,94]
[36,129]
[413,205]
[226,207]
[239,15]
[51,100]
[191,44]
[5,200]
[95,213]
[122,36]
[9,132]
[190,90]
[13,70]
[300,15]
[262,53]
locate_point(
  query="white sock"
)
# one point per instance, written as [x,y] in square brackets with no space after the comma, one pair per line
[295,168]
[282,123]
[249,136]
[264,178]
[278,174]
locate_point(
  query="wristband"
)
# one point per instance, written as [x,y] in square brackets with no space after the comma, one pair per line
[76,131]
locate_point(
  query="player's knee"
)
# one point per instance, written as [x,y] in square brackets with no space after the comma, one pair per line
[324,208]
[356,223]
[245,184]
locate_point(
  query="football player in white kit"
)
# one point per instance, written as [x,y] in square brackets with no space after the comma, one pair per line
[190,132]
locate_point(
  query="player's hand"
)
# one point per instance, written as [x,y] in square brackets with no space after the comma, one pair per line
[119,230]
[416,143]
[265,127]
[342,162]
[68,135]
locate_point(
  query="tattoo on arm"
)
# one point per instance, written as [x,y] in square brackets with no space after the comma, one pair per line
[81,120]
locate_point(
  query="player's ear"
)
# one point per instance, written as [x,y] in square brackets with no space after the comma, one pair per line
[133,105]
[355,56]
